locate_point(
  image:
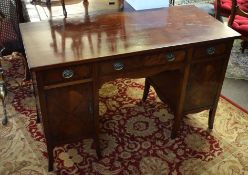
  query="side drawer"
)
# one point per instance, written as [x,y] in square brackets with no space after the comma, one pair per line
[209,50]
[119,66]
[66,74]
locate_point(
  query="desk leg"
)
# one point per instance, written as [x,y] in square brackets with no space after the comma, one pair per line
[211,118]
[50,157]
[38,115]
[48,2]
[121,4]
[64,9]
[5,119]
[146,90]
[181,100]
[96,124]
[221,80]
[176,126]
[96,87]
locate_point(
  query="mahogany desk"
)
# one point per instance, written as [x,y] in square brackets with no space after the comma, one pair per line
[181,50]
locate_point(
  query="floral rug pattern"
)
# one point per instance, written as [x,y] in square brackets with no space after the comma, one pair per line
[135,136]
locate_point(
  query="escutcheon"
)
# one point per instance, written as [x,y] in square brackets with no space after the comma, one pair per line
[68,73]
[170,56]
[118,66]
[210,50]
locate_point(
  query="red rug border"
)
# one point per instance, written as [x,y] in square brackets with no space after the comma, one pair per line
[234,104]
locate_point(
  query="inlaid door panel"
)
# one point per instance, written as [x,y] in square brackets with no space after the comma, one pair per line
[204,79]
[70,112]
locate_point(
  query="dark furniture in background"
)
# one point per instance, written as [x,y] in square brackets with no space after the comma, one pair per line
[84,2]
[239,22]
[12,15]
[177,58]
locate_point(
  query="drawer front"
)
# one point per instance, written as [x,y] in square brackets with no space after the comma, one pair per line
[122,65]
[164,58]
[209,50]
[66,74]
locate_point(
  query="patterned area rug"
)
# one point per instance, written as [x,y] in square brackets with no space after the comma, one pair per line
[135,136]
[238,64]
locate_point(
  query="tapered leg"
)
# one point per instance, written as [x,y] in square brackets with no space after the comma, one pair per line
[38,116]
[27,72]
[98,149]
[5,119]
[50,158]
[176,125]
[178,115]
[96,130]
[48,2]
[3,94]
[211,117]
[63,6]
[121,4]
[95,112]
[244,45]
[217,15]
[146,90]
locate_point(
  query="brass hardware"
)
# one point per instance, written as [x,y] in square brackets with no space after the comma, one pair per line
[170,56]
[118,66]
[68,73]
[210,50]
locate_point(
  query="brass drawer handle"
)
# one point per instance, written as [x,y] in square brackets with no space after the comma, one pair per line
[170,56]
[118,66]
[68,73]
[210,50]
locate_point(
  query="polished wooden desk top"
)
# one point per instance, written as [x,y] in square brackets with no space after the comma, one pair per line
[104,36]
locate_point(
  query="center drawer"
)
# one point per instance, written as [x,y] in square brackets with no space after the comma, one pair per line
[132,63]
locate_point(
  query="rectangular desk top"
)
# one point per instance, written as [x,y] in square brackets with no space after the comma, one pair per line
[75,40]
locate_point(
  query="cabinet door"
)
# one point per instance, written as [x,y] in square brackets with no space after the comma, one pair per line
[69,112]
[203,83]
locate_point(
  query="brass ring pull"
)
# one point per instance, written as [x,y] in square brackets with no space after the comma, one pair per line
[68,73]
[170,56]
[118,66]
[210,50]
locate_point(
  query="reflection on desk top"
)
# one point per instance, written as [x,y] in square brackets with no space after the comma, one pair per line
[106,36]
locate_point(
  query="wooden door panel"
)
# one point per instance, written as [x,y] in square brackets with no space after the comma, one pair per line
[203,83]
[69,112]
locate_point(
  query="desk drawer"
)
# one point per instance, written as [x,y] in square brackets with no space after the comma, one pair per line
[66,74]
[122,65]
[209,50]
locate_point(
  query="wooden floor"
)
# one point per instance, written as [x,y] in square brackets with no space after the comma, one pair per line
[38,11]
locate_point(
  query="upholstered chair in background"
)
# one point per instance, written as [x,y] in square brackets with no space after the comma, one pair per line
[223,7]
[239,22]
